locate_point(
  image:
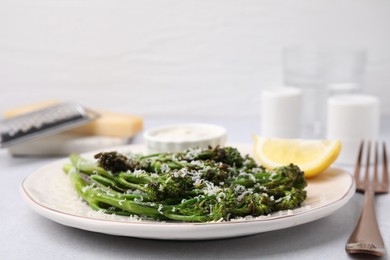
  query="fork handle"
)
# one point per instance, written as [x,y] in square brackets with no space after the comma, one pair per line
[366,238]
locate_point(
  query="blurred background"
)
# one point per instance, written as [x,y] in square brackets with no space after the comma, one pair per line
[186,58]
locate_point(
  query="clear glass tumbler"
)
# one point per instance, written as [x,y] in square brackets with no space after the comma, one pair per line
[344,70]
[320,72]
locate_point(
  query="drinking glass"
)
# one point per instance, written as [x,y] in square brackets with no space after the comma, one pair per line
[344,70]
[320,72]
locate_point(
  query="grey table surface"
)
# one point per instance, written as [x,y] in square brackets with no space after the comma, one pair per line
[27,235]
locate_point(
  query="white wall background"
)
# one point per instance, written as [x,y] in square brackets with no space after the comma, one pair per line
[175,57]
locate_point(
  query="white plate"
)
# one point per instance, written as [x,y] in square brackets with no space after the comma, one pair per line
[49,193]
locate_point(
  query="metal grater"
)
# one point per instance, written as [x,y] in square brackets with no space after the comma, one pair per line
[43,122]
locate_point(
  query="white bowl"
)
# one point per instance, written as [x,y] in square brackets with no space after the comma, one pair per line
[178,137]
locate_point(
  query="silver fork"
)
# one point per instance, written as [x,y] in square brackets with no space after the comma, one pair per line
[366,238]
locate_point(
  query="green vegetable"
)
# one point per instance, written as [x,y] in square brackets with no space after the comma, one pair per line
[197,185]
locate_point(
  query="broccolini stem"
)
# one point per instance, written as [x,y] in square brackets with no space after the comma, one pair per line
[99,199]
[86,166]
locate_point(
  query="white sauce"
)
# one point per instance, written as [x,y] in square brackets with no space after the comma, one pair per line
[183,133]
[176,138]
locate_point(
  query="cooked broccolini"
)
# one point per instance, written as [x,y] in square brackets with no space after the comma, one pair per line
[197,185]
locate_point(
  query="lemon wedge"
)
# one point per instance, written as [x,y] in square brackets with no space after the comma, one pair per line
[312,156]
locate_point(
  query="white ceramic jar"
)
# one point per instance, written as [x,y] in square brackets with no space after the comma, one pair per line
[351,119]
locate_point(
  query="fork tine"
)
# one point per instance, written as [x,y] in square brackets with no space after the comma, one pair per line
[385,178]
[376,183]
[367,173]
[358,162]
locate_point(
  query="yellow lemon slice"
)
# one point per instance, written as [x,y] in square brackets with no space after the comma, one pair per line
[312,156]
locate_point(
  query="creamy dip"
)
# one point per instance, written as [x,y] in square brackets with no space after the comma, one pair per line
[175,138]
[184,133]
